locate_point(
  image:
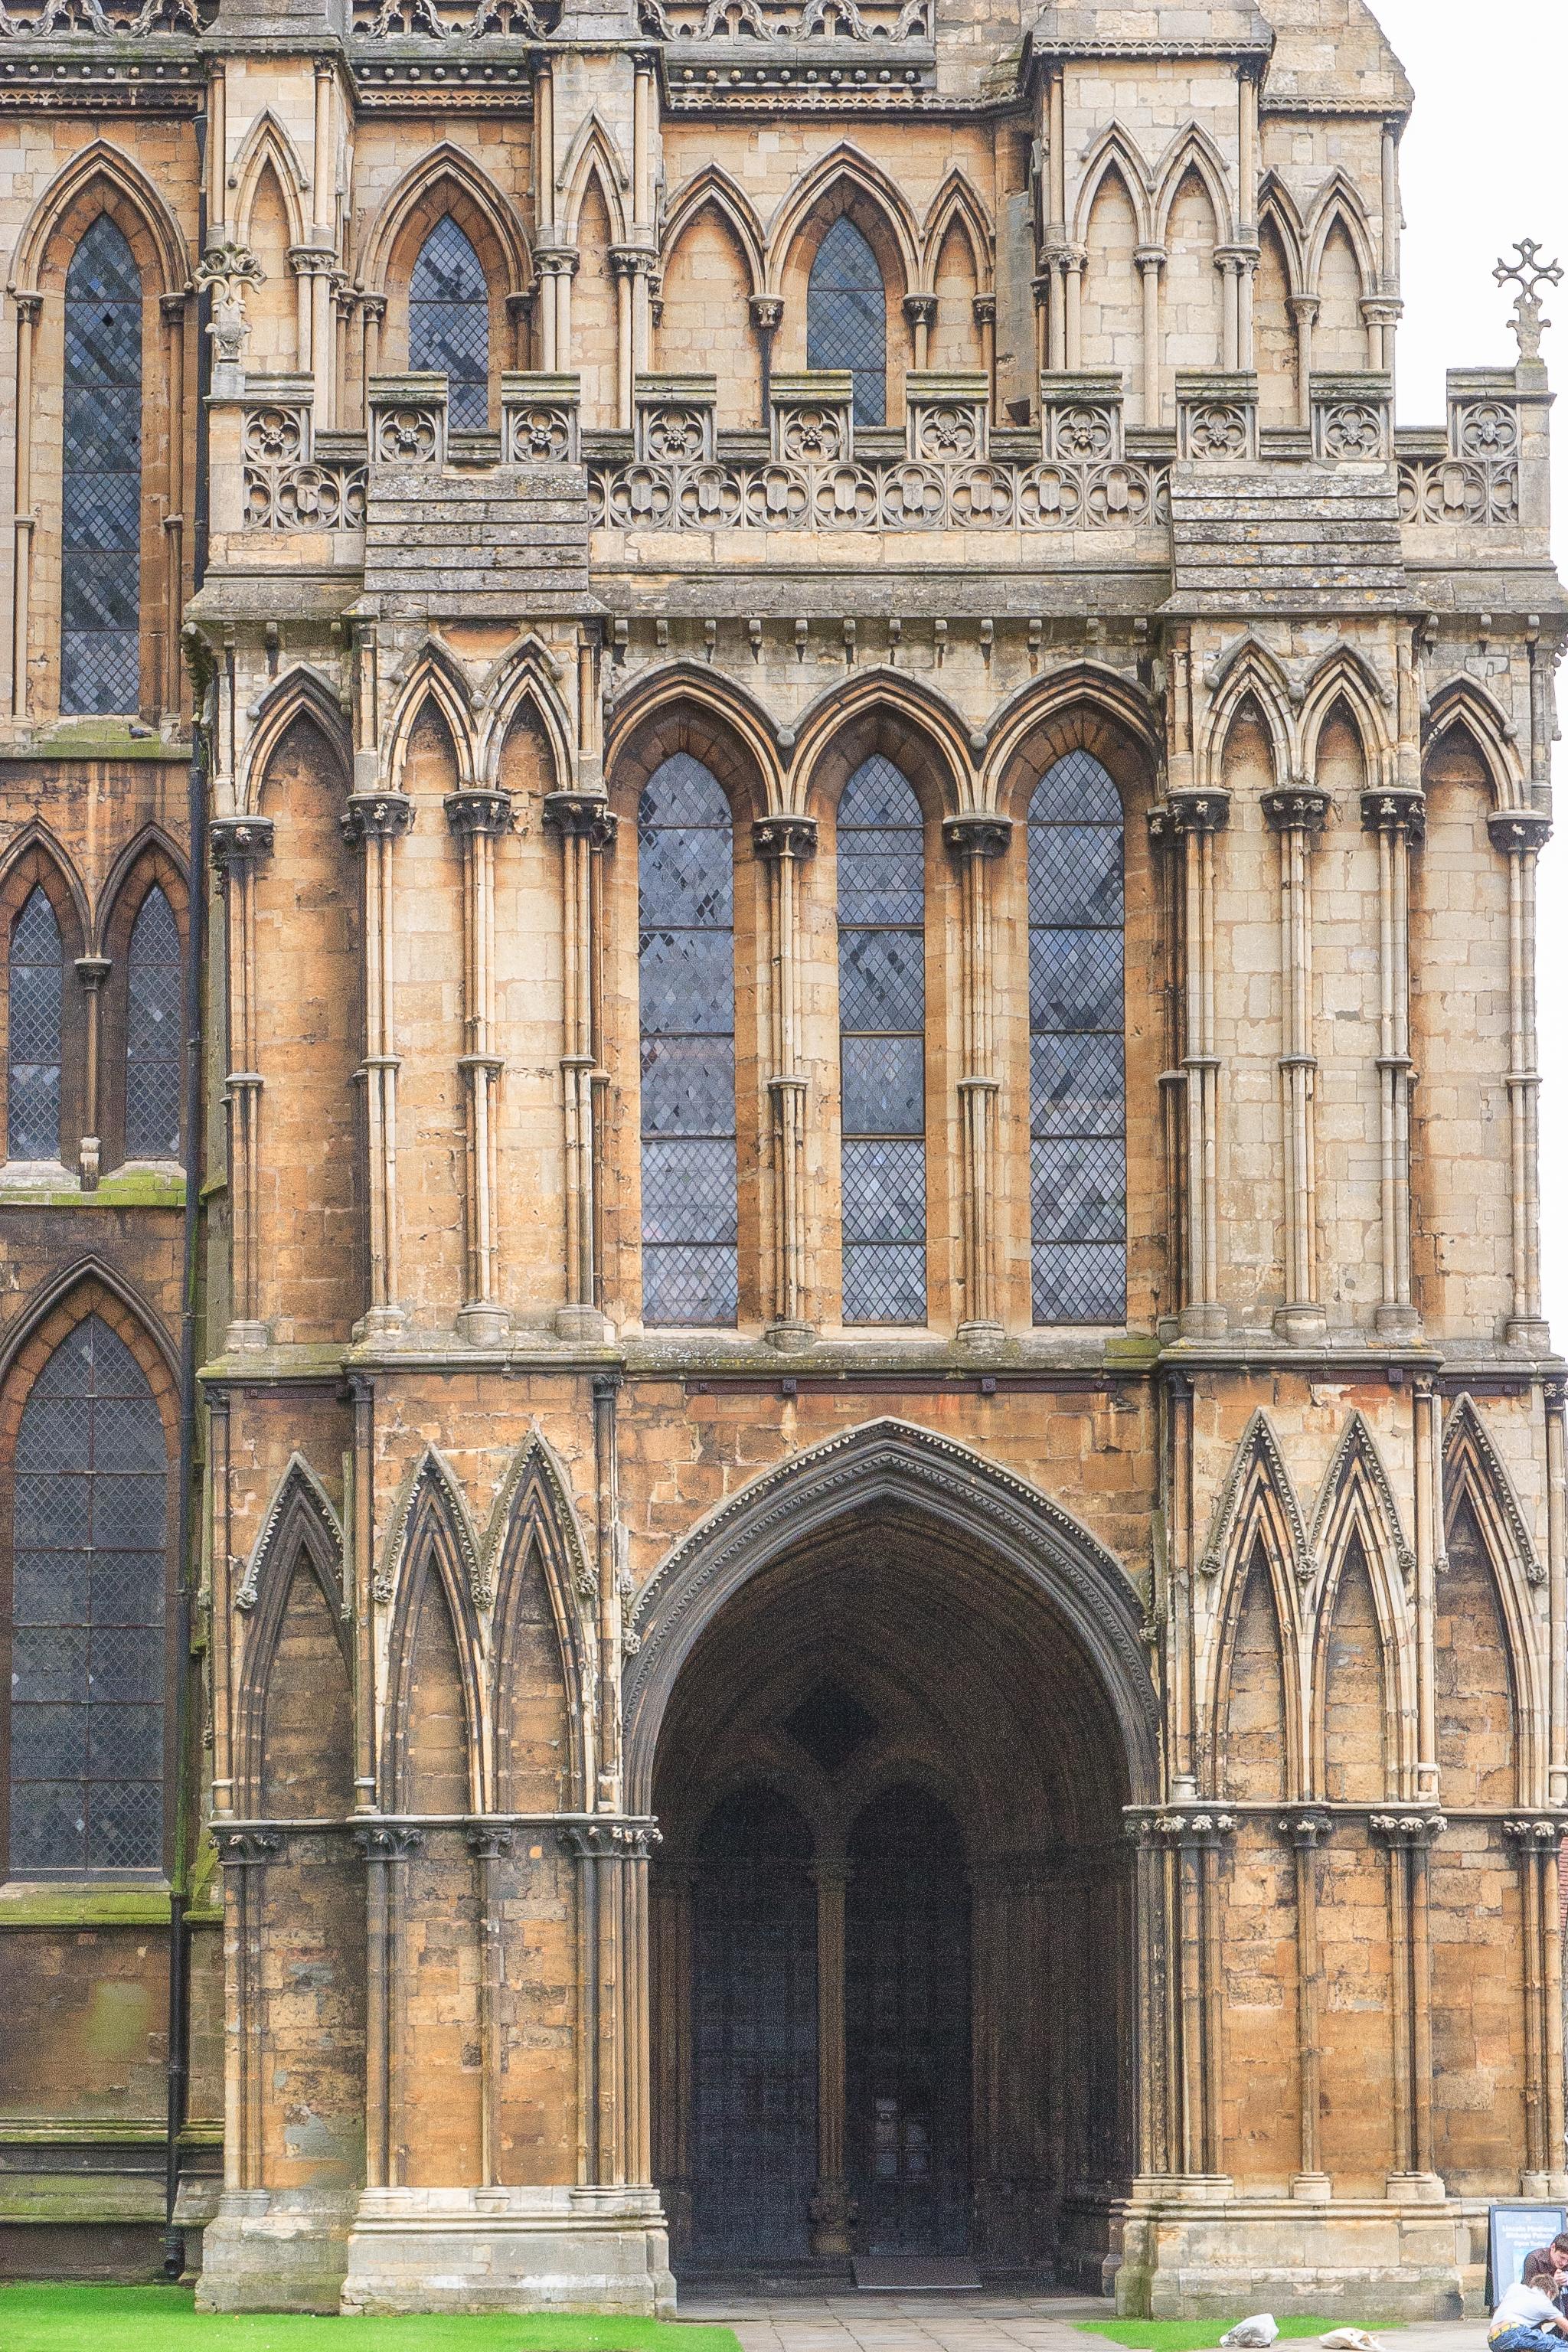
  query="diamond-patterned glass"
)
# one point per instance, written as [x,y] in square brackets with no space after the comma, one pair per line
[846,317]
[1077,1094]
[449,323]
[33,1057]
[88,1608]
[152,1034]
[686,895]
[882,1024]
[100,489]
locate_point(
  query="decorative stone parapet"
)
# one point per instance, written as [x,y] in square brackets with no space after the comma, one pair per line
[540,419]
[813,416]
[1352,419]
[879,494]
[1216,417]
[947,415]
[675,418]
[408,420]
[289,483]
[1081,415]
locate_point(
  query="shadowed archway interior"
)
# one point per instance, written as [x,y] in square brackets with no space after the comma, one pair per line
[892,1920]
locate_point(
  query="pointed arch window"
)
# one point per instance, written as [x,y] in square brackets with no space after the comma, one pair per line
[153,1032]
[101,503]
[882,1026]
[686,948]
[1077,1125]
[33,1047]
[449,323]
[847,317]
[88,1586]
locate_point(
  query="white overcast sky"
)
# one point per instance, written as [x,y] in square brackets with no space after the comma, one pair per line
[1485,160]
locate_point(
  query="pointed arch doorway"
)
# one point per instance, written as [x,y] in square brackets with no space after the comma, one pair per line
[892,1918]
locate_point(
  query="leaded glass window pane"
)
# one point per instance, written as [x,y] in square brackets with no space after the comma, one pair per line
[846,317]
[686,944]
[32,1060]
[87,1605]
[152,1034]
[449,323]
[1078,1095]
[881,1029]
[100,492]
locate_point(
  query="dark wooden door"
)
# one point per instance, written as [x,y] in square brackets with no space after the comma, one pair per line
[907,2017]
[755,2034]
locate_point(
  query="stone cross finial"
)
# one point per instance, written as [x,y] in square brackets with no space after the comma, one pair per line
[1529,274]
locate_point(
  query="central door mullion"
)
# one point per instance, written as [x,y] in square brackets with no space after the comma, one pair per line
[831,2213]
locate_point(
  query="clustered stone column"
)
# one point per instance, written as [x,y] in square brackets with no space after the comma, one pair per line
[239,847]
[587,831]
[1189,820]
[612,1858]
[1395,815]
[1298,814]
[372,822]
[244,1853]
[480,817]
[1194,1844]
[1539,1842]
[784,842]
[1408,1838]
[1306,1830]
[1521,834]
[979,837]
[491,1844]
[386,1848]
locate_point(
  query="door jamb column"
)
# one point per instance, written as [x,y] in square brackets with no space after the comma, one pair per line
[833,2211]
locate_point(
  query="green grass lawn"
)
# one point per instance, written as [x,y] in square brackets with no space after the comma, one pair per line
[165,2319]
[1197,2335]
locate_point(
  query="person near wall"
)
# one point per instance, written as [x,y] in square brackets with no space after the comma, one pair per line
[1526,2318]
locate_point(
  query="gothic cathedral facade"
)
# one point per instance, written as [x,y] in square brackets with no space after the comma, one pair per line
[769,1215]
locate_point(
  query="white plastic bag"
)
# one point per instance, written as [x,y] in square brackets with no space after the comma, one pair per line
[1350,2340]
[1256,2334]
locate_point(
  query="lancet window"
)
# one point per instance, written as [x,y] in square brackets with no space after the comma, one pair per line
[34,1044]
[449,323]
[686,948]
[881,1021]
[1077,1150]
[89,1580]
[846,317]
[153,1032]
[101,505]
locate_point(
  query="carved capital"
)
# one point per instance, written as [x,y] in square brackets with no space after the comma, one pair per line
[237,842]
[1537,1835]
[787,834]
[478,809]
[1407,1832]
[1397,808]
[588,815]
[1518,829]
[491,1840]
[389,1840]
[977,833]
[767,311]
[1201,1829]
[610,1841]
[375,815]
[92,971]
[1298,808]
[920,310]
[1194,812]
[1306,1829]
[984,306]
[246,1849]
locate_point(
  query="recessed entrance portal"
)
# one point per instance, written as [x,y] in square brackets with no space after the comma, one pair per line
[892,1918]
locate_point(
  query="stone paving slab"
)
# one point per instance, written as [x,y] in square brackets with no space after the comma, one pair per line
[850,2321]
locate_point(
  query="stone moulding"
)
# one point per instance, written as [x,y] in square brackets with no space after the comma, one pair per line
[879,494]
[981,1505]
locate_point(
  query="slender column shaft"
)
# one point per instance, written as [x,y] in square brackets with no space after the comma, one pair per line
[783,843]
[1150,260]
[222,1604]
[1521,834]
[587,832]
[1557,1411]
[1192,818]
[1298,813]
[92,971]
[238,847]
[362,1543]
[479,818]
[979,837]
[1556,2159]
[1428,1542]
[830,2212]
[28,306]
[1395,815]
[373,822]
[1305,1830]
[1304,309]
